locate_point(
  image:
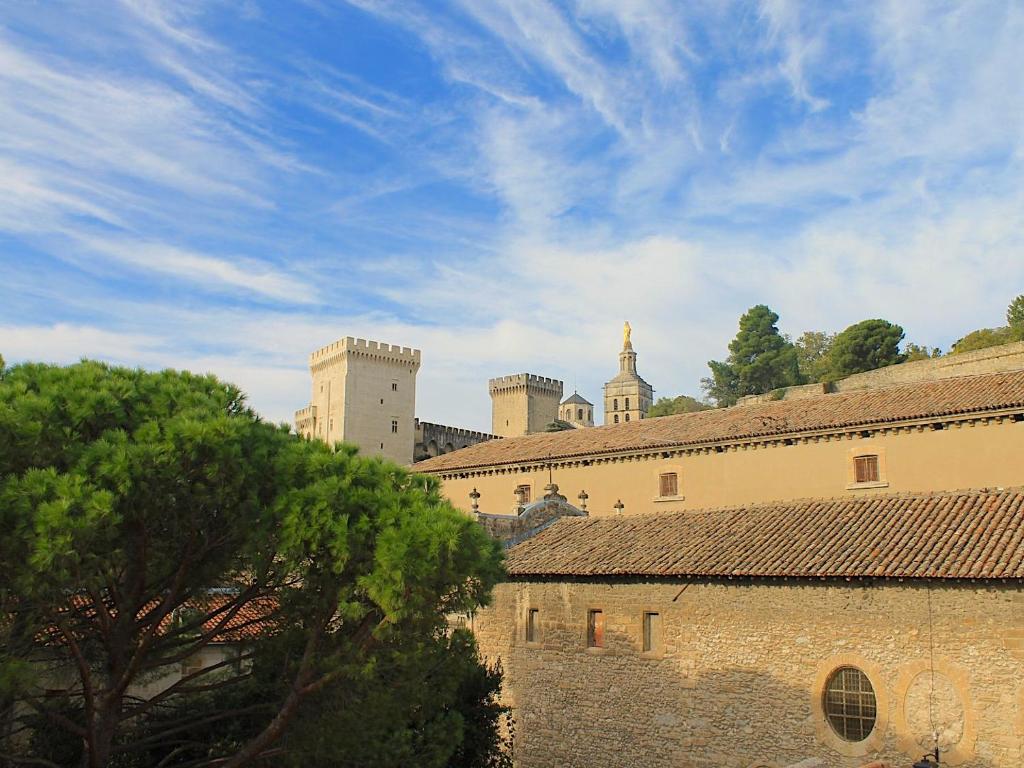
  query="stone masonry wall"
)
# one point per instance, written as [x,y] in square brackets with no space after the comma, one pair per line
[1004,357]
[738,679]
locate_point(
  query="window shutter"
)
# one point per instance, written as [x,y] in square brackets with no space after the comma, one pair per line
[669,484]
[865,469]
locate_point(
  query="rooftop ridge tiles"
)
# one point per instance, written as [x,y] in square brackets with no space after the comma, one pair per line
[997,393]
[967,534]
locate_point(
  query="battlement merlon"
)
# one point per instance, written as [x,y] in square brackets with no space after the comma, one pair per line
[350,345]
[456,431]
[529,381]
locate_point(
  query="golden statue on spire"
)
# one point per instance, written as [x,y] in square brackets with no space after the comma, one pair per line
[626,331]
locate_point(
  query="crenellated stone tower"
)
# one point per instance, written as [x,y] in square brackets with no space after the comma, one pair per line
[627,397]
[523,403]
[364,392]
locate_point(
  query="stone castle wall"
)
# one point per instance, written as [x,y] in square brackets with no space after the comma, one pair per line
[363,392]
[737,678]
[436,439]
[1005,357]
[523,403]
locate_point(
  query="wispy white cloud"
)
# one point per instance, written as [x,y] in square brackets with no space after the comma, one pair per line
[205,271]
[560,168]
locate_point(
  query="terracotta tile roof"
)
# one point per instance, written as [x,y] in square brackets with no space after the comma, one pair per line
[960,535]
[948,397]
[255,617]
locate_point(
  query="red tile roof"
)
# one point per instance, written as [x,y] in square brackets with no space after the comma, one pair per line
[960,535]
[908,402]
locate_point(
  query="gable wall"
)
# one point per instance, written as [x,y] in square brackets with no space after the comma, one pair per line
[739,680]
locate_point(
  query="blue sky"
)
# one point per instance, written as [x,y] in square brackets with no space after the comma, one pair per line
[225,186]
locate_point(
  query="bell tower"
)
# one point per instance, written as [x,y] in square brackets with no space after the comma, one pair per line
[627,397]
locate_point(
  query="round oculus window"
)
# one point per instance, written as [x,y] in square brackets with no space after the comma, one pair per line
[850,704]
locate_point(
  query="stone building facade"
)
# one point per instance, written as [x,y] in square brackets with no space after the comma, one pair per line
[934,435]
[523,403]
[721,635]
[627,397]
[364,392]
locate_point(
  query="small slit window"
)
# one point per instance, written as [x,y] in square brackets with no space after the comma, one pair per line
[532,616]
[595,629]
[850,704]
[865,469]
[668,484]
[652,632]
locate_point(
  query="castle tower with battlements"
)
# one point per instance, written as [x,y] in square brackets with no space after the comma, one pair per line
[523,403]
[364,393]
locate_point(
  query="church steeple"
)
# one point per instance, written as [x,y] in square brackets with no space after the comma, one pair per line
[627,357]
[627,397]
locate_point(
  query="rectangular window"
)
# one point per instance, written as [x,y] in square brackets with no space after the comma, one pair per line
[531,625]
[523,492]
[652,632]
[627,403]
[394,426]
[865,469]
[595,629]
[669,484]
[394,386]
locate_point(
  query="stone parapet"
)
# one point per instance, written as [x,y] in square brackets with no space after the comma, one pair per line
[350,345]
[998,359]
[524,380]
[436,439]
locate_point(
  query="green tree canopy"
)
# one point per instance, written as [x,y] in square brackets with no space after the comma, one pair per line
[913,352]
[865,346]
[146,514]
[558,425]
[669,406]
[812,354]
[981,339]
[760,360]
[1014,317]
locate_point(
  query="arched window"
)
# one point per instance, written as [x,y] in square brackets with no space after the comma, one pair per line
[627,417]
[627,403]
[615,404]
[616,418]
[579,414]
